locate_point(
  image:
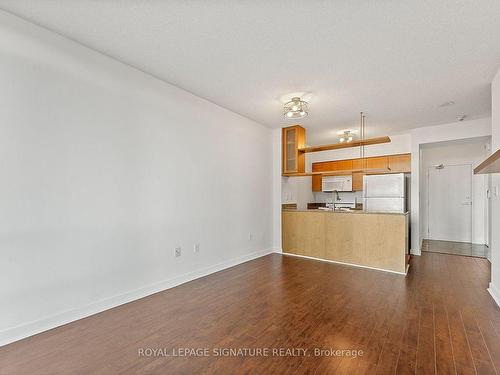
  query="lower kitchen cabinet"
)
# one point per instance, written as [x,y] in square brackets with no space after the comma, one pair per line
[378,240]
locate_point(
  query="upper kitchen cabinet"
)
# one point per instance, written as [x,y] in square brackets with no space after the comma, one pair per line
[358,164]
[359,167]
[343,165]
[400,163]
[377,163]
[293,138]
[336,165]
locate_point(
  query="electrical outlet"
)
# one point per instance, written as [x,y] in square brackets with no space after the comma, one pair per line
[196,247]
[178,252]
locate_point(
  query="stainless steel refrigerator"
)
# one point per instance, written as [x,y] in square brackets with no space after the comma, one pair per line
[384,192]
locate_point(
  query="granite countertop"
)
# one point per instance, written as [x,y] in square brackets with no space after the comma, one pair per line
[345,212]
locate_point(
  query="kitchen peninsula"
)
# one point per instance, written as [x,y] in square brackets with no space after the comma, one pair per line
[367,239]
[375,237]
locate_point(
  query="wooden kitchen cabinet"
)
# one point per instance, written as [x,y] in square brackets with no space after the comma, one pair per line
[364,239]
[316,182]
[400,163]
[358,163]
[378,162]
[333,166]
[323,166]
[357,181]
[293,138]
[343,165]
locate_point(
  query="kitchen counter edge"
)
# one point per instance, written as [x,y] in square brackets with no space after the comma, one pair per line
[358,212]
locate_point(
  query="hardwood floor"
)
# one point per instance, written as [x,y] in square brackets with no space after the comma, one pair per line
[455,248]
[439,319]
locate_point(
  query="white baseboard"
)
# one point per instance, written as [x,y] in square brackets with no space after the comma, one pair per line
[417,251]
[32,328]
[495,293]
[346,264]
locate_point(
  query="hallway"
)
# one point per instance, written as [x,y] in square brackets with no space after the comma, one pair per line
[455,248]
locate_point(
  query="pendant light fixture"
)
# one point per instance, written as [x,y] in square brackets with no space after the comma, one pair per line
[296,108]
[346,140]
[362,119]
[345,136]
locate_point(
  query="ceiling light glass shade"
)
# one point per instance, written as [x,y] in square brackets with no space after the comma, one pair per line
[296,108]
[345,136]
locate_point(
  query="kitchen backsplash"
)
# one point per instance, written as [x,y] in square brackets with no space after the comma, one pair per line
[320,197]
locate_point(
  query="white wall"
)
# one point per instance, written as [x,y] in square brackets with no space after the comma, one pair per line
[297,190]
[277,189]
[495,182]
[104,171]
[471,152]
[432,134]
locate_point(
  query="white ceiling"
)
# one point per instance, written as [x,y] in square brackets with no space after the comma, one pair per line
[397,60]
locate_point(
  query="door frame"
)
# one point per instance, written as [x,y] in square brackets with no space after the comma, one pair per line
[471,197]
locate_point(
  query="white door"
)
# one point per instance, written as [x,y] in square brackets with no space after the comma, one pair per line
[450,203]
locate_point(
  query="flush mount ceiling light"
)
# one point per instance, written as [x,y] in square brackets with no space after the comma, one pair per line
[296,108]
[346,135]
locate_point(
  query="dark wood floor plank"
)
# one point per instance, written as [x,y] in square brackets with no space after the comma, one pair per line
[426,354]
[492,341]
[438,317]
[410,333]
[484,368]
[480,353]
[388,359]
[407,360]
[427,317]
[445,363]
[461,349]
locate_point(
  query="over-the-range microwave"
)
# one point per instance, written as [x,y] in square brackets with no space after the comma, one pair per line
[336,183]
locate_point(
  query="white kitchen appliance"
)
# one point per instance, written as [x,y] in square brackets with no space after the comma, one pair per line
[336,183]
[340,204]
[384,192]
[345,204]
